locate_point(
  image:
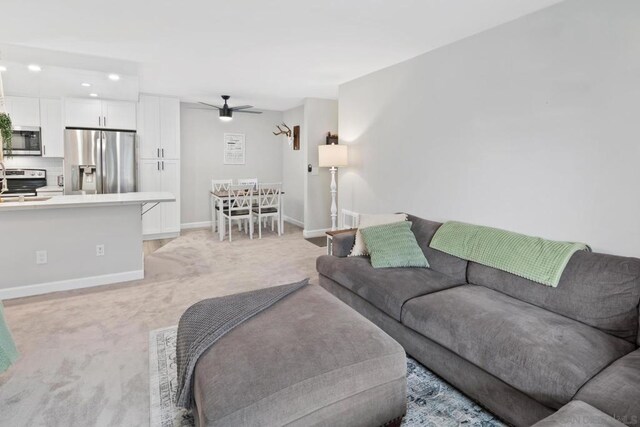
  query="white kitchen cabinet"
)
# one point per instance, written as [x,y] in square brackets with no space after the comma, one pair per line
[170,128]
[170,178]
[119,115]
[159,127]
[150,180]
[161,175]
[99,114]
[52,129]
[24,111]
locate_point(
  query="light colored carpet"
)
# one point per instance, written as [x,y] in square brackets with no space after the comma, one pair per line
[85,358]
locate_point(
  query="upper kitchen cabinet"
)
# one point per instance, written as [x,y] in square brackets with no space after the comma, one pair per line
[52,130]
[24,111]
[94,113]
[159,127]
[119,115]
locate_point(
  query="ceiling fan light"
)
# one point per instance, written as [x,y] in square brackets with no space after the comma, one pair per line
[225,115]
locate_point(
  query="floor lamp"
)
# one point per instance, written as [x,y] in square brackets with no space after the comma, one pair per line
[333,156]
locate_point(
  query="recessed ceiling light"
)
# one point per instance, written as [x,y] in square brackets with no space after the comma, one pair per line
[3,68]
[114,77]
[86,84]
[34,67]
[93,95]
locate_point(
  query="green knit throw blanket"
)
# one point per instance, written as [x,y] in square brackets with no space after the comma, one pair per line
[533,258]
[8,352]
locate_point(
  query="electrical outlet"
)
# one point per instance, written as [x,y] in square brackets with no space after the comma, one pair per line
[99,250]
[41,257]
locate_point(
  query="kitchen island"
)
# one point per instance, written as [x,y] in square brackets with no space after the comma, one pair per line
[69,242]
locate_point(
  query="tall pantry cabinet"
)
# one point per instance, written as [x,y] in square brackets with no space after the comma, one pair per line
[159,167]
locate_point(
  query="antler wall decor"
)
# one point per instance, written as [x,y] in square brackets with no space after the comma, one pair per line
[286,131]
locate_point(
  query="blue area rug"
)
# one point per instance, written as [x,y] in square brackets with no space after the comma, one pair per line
[430,401]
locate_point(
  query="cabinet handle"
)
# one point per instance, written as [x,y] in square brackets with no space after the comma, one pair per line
[105,120]
[158,152]
[162,165]
[99,121]
[44,150]
[163,153]
[158,165]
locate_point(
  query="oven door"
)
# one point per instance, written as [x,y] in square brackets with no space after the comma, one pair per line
[25,142]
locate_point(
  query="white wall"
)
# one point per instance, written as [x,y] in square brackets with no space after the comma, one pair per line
[70,237]
[294,167]
[202,134]
[532,126]
[320,117]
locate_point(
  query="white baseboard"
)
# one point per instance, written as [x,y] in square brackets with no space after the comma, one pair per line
[190,225]
[314,233]
[292,221]
[170,235]
[66,285]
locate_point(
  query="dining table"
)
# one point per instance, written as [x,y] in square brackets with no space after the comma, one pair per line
[218,198]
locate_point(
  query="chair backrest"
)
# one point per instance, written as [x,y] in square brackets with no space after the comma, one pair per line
[240,197]
[248,181]
[220,184]
[269,195]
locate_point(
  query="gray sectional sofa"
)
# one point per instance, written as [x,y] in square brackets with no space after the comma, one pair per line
[521,349]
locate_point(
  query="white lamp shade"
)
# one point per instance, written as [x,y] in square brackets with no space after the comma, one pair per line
[332,156]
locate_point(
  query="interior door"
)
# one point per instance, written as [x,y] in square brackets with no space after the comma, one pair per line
[119,162]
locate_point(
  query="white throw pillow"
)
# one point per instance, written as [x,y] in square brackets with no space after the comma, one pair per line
[369,220]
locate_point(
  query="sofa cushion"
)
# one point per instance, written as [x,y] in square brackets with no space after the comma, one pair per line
[308,360]
[439,261]
[577,413]
[545,355]
[597,289]
[616,390]
[393,245]
[387,289]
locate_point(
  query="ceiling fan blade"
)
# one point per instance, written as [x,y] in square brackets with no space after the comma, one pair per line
[210,105]
[242,107]
[247,112]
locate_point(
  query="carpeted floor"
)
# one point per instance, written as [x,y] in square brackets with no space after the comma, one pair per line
[85,358]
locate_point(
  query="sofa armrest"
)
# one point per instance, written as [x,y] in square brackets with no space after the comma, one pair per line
[343,242]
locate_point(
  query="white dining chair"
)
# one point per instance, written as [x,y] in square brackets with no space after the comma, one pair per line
[248,181]
[239,206]
[217,185]
[268,206]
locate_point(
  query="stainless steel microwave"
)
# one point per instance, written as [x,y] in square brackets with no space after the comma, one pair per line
[25,141]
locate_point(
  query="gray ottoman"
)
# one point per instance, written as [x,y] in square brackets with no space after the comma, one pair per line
[577,413]
[310,360]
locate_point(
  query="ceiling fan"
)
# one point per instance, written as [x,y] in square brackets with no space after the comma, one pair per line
[226,112]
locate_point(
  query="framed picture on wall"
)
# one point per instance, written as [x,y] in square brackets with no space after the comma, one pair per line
[234,149]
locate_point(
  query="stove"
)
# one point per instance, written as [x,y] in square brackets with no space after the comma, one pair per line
[24,182]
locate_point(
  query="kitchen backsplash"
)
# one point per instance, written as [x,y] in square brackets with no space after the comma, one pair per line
[53,166]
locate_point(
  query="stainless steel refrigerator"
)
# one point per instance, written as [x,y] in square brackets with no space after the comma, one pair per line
[100,161]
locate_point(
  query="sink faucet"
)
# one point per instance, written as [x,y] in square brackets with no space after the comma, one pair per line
[3,180]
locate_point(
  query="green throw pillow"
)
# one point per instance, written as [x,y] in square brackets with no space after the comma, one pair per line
[393,245]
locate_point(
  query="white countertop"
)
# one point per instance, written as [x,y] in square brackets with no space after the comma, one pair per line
[50,188]
[89,200]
